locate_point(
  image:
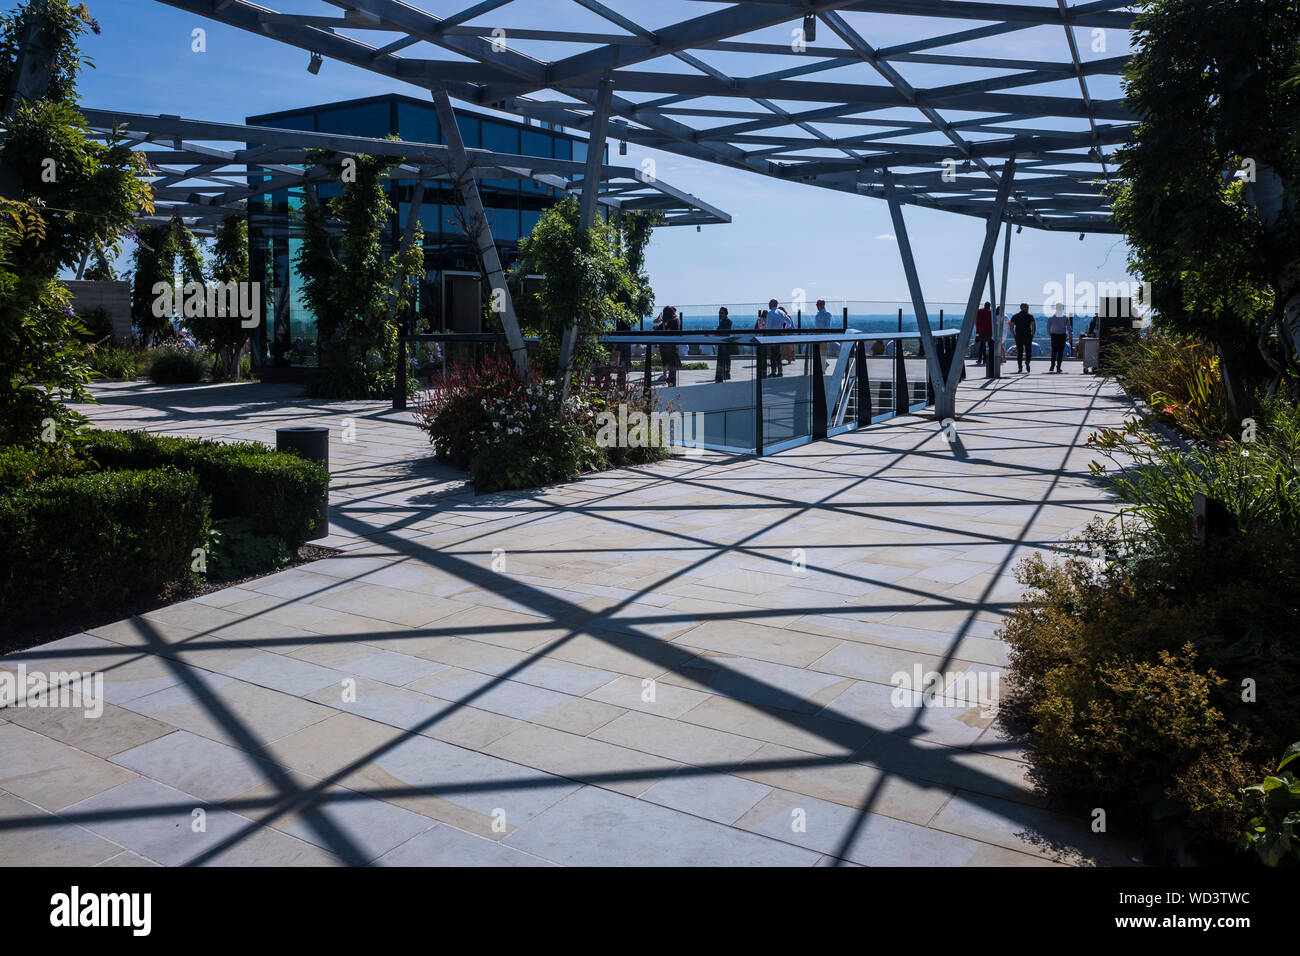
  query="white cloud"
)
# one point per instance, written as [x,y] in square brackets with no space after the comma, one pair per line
[888,236]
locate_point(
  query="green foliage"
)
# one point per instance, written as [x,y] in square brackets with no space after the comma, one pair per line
[1127,674]
[235,551]
[1208,80]
[95,539]
[159,250]
[1155,674]
[176,365]
[1258,481]
[47,226]
[1178,376]
[348,283]
[509,432]
[223,335]
[278,493]
[98,325]
[23,465]
[126,362]
[1275,807]
[588,283]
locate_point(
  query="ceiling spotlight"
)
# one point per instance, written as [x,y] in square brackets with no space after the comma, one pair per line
[1019,230]
[697,228]
[809,28]
[1081,237]
[622,147]
[313,67]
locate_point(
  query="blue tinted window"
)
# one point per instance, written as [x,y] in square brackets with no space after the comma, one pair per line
[305,121]
[527,219]
[579,152]
[563,148]
[417,124]
[371,120]
[428,217]
[500,138]
[504,224]
[469,131]
[535,143]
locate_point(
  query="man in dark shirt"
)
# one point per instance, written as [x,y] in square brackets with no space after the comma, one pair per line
[1023,327]
[984,333]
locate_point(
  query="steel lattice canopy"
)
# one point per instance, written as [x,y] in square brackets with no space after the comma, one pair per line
[206,171]
[741,85]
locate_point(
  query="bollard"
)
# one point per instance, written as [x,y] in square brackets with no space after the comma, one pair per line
[311,442]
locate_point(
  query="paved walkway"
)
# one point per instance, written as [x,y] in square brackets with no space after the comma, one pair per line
[688,663]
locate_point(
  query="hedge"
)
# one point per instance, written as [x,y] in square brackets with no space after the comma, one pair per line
[95,539]
[277,493]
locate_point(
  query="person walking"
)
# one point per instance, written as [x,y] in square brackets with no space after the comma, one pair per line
[1058,329]
[984,334]
[723,371]
[1023,327]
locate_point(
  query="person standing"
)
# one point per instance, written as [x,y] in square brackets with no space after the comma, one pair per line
[1058,329]
[779,319]
[1023,328]
[822,322]
[723,371]
[668,353]
[984,334]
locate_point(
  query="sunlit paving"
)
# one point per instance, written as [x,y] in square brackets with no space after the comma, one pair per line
[548,433]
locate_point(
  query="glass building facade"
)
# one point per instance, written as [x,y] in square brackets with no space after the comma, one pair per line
[449,295]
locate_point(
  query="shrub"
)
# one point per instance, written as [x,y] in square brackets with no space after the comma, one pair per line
[116,361]
[1257,481]
[21,466]
[277,493]
[90,540]
[1129,673]
[174,365]
[508,432]
[1275,804]
[236,551]
[455,411]
[1177,376]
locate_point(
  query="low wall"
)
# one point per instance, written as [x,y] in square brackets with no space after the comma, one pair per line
[114,297]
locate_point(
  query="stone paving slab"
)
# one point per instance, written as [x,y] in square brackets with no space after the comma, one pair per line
[689,663]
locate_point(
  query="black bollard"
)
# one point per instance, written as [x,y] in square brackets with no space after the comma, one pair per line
[311,442]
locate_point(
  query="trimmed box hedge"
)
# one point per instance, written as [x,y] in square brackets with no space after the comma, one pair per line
[94,539]
[277,493]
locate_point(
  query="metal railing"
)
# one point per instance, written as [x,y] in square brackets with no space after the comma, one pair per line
[870,379]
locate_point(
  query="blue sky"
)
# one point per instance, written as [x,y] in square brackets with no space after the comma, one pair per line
[783,236]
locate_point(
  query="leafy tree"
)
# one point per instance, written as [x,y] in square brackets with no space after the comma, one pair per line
[353,289]
[1208,80]
[64,196]
[634,229]
[224,335]
[587,282]
[159,251]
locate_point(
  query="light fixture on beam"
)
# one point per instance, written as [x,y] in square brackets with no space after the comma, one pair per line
[809,28]
[622,147]
[313,66]
[1019,230]
[1081,237]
